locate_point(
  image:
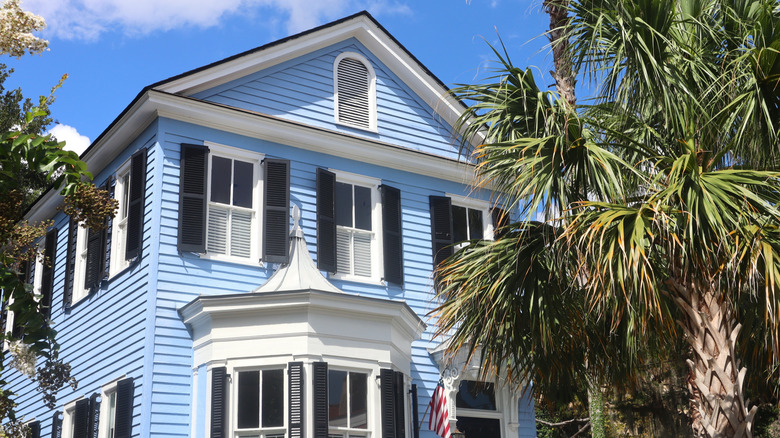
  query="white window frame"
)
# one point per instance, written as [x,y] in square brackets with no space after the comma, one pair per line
[106,392]
[119,223]
[497,414]
[79,292]
[256,236]
[377,255]
[373,401]
[474,204]
[372,111]
[68,412]
[261,432]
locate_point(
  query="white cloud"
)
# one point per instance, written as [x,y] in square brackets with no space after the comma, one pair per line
[73,140]
[88,19]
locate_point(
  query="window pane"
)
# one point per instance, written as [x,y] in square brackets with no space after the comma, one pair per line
[343,204]
[475,224]
[217,231]
[343,251]
[479,427]
[362,254]
[220,180]
[476,395]
[248,399]
[363,208]
[273,398]
[125,195]
[242,184]
[241,234]
[459,229]
[357,400]
[337,398]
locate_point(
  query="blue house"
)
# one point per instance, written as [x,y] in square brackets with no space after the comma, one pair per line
[269,271]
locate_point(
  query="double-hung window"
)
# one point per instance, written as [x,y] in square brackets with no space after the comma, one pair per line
[477,411]
[358,228]
[347,404]
[457,219]
[225,194]
[232,206]
[260,403]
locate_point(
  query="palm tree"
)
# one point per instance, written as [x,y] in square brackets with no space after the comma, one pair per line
[649,215]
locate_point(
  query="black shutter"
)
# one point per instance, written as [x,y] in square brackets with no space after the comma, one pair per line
[400,411]
[95,259]
[35,429]
[47,279]
[320,394]
[70,263]
[81,419]
[94,415]
[56,425]
[192,198]
[500,222]
[276,214]
[296,404]
[218,403]
[326,220]
[391,235]
[124,408]
[108,223]
[441,228]
[135,205]
[387,395]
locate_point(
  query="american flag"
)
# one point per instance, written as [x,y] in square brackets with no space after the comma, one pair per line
[439,420]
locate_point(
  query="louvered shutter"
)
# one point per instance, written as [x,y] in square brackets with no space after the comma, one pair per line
[35,429]
[135,205]
[109,222]
[276,211]
[391,234]
[97,242]
[500,222]
[387,395]
[47,279]
[326,220]
[296,404]
[70,263]
[192,198]
[81,419]
[441,228]
[95,259]
[218,402]
[124,408]
[320,394]
[400,410]
[353,90]
[56,425]
[94,415]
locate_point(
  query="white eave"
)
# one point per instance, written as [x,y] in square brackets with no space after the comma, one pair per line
[152,104]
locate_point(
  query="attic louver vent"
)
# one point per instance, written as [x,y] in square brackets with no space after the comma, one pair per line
[353,87]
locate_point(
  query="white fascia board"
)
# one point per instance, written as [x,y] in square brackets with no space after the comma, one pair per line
[109,145]
[308,137]
[361,28]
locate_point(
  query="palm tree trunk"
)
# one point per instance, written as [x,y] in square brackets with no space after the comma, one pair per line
[598,427]
[717,401]
[559,40]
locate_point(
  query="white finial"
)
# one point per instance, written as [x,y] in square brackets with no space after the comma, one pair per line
[296,215]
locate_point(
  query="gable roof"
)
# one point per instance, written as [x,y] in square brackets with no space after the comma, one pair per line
[361,26]
[172,98]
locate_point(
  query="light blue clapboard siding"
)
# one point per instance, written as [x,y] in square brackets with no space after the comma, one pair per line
[132,327]
[302,90]
[175,285]
[102,336]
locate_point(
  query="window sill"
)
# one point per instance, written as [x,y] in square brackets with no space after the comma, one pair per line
[225,259]
[356,279]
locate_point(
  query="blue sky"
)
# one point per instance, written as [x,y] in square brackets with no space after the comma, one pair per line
[111,49]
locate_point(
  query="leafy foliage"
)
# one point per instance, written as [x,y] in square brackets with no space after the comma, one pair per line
[635,210]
